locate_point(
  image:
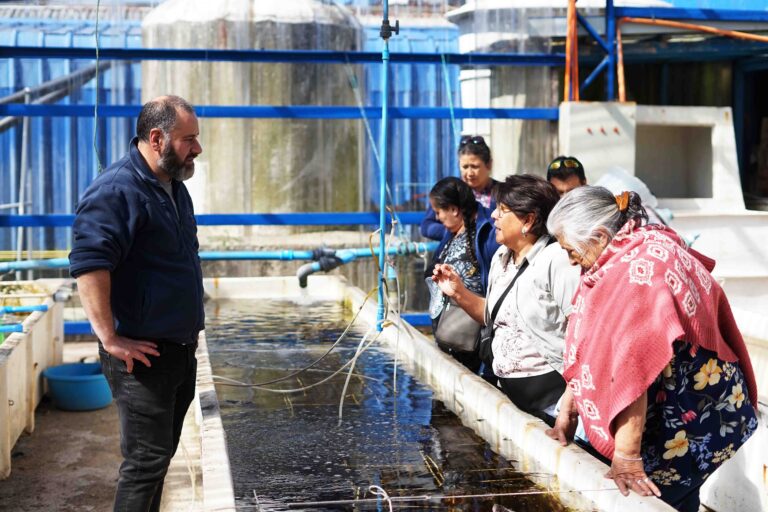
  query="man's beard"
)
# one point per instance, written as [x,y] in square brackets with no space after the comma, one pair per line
[173,166]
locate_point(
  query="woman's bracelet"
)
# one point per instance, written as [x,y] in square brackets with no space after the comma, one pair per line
[618,454]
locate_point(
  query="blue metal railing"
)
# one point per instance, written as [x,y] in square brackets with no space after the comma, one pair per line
[235,219]
[288,112]
[285,56]
[677,13]
[612,14]
[75,328]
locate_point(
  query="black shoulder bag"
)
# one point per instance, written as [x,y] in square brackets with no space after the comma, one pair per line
[485,348]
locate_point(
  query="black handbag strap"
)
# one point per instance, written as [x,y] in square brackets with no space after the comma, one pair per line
[519,273]
[504,295]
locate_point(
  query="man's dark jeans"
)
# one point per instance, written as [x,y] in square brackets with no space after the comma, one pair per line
[151,403]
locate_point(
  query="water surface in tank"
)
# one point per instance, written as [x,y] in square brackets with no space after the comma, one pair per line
[290,449]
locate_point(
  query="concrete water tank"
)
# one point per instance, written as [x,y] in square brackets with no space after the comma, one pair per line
[262,165]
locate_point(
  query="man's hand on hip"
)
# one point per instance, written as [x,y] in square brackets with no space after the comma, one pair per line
[127,350]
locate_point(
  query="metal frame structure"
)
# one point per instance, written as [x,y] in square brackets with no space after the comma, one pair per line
[610,64]
[615,16]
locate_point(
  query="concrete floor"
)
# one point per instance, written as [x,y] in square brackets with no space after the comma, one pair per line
[70,462]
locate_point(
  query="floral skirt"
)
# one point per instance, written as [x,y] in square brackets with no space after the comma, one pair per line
[699,414]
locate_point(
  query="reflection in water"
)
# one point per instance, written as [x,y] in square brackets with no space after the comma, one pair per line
[289,448]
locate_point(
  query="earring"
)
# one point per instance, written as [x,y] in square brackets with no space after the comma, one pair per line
[525,231]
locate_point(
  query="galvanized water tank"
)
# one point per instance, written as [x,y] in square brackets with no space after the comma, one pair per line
[262,165]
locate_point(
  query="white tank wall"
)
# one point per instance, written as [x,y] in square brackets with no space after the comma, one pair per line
[517,27]
[264,165]
[601,135]
[23,357]
[686,155]
[523,146]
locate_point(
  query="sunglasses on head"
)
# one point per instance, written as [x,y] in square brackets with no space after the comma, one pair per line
[568,163]
[471,139]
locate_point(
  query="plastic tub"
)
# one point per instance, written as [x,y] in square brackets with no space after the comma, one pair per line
[78,386]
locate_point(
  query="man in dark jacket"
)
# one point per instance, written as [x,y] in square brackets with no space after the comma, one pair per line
[135,259]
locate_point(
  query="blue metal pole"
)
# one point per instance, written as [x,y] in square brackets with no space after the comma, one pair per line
[610,36]
[11,328]
[595,73]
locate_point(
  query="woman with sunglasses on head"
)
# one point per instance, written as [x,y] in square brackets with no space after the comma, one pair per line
[475,166]
[468,246]
[531,284]
[655,363]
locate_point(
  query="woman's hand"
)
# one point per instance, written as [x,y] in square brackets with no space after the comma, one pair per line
[565,427]
[627,464]
[450,283]
[567,420]
[447,279]
[629,474]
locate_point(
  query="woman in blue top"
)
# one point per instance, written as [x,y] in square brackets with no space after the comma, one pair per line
[475,165]
[468,244]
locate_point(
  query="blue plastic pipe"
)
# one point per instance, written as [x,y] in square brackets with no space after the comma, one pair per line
[344,256]
[260,255]
[60,263]
[22,309]
[11,328]
[383,161]
[284,255]
[10,266]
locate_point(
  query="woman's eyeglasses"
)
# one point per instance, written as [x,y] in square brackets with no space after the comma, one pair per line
[568,163]
[502,212]
[471,139]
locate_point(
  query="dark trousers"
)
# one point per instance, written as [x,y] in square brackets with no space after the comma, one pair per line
[151,404]
[535,394]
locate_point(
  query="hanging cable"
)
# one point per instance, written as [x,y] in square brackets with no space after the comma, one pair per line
[96,100]
[354,84]
[234,383]
[454,129]
[351,369]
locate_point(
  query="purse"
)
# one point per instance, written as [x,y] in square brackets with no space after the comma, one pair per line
[456,330]
[485,348]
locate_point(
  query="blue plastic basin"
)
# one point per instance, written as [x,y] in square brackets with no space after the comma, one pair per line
[78,386]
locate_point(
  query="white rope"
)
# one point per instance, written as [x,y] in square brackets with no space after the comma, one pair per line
[352,367]
[440,497]
[286,391]
[378,491]
[312,364]
[192,474]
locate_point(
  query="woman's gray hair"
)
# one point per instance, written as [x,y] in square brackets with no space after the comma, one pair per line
[585,213]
